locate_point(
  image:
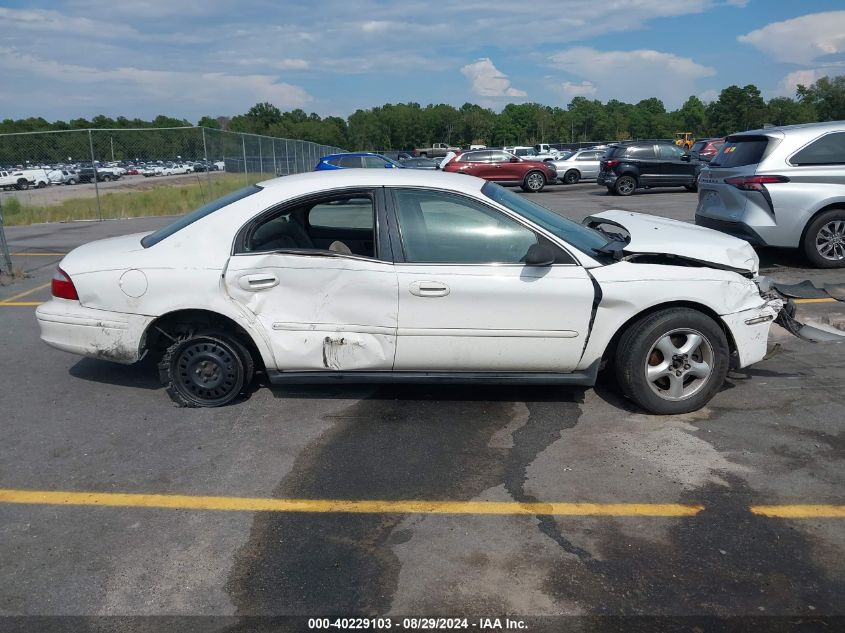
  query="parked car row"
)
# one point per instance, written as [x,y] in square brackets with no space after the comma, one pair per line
[72,174]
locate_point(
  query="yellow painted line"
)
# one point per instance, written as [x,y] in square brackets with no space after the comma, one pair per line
[33,254]
[800,511]
[24,294]
[19,304]
[823,300]
[250,504]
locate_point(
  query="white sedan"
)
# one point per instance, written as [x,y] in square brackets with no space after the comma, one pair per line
[386,275]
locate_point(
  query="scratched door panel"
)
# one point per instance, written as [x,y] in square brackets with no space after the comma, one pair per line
[321,312]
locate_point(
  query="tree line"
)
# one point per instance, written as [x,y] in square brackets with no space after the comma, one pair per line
[407,125]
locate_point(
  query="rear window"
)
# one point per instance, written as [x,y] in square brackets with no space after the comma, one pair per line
[827,150]
[698,146]
[741,151]
[154,238]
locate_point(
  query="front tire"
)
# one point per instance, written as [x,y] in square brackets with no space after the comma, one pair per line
[571,177]
[824,240]
[205,370]
[672,361]
[625,185]
[22,185]
[534,182]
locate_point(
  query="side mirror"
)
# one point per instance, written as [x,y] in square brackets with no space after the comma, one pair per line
[685,157]
[540,255]
[514,159]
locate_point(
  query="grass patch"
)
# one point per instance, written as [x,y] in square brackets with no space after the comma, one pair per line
[158,201]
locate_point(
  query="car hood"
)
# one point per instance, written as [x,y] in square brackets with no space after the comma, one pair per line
[112,253]
[650,234]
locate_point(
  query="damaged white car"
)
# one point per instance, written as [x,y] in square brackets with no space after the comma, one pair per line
[366,275]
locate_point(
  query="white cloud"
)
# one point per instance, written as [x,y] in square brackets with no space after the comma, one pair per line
[788,86]
[164,86]
[709,95]
[488,81]
[46,21]
[633,75]
[802,40]
[568,90]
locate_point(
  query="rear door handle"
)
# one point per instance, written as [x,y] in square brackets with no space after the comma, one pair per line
[429,289]
[259,281]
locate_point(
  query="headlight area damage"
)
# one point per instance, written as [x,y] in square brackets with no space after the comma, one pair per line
[646,239]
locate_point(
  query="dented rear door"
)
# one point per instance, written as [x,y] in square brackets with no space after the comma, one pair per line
[320,312]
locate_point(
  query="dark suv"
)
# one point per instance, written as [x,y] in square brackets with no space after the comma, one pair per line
[632,165]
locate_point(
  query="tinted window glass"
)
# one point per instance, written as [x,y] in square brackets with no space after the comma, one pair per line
[742,150]
[439,227]
[374,162]
[579,236]
[334,161]
[828,150]
[349,161]
[640,151]
[348,213]
[316,226]
[474,157]
[670,152]
[697,147]
[185,220]
[500,157]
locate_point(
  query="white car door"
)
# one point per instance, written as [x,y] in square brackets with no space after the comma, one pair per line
[466,300]
[312,274]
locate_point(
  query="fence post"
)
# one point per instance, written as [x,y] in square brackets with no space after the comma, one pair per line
[96,177]
[275,168]
[207,166]
[246,171]
[295,165]
[4,246]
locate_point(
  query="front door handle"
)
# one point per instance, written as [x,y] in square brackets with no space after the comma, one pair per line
[261,281]
[429,289]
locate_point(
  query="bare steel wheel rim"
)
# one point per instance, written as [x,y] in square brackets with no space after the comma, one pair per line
[535,181]
[207,371]
[626,184]
[679,364]
[830,240]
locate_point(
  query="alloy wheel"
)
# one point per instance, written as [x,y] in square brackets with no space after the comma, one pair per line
[830,240]
[679,364]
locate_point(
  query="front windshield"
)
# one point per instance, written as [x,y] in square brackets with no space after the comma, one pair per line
[582,238]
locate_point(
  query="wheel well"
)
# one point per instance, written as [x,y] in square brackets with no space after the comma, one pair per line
[168,327]
[825,209]
[575,169]
[610,350]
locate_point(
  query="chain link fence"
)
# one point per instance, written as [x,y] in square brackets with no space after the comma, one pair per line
[95,174]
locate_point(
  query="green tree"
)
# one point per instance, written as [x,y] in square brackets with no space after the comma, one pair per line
[826,96]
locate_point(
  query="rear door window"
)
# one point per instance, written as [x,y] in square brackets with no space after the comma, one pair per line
[827,150]
[349,161]
[670,152]
[640,152]
[741,151]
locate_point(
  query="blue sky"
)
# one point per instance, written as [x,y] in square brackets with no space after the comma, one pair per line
[188,58]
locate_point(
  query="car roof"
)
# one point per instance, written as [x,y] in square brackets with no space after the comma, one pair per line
[347,178]
[831,125]
[327,156]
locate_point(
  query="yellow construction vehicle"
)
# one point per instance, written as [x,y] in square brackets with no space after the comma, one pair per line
[684,139]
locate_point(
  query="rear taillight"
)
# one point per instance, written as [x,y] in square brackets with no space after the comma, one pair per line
[754,183]
[62,287]
[612,163]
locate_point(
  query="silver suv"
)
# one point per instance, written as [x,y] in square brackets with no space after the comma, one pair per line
[780,186]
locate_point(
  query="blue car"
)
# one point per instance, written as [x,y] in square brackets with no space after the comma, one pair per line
[356,160]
